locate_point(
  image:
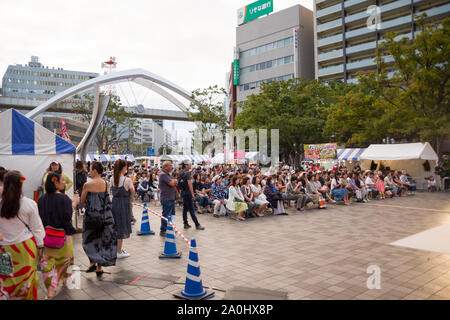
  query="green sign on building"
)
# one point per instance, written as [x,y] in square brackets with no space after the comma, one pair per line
[254,10]
[236,71]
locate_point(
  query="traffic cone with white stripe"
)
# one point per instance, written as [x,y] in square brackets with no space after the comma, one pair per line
[145,224]
[170,247]
[193,289]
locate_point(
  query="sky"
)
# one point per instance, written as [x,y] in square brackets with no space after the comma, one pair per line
[190,43]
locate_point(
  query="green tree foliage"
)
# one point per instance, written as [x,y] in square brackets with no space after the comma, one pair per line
[168,150]
[412,105]
[297,107]
[116,122]
[209,111]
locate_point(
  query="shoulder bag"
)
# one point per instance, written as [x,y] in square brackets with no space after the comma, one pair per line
[6,263]
[54,237]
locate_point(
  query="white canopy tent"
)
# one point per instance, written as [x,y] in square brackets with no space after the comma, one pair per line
[29,148]
[408,156]
[194,158]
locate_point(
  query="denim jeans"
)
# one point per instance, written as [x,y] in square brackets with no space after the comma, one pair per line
[188,205]
[168,209]
[202,201]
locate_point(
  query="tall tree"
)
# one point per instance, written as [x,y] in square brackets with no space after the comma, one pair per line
[407,99]
[209,111]
[296,107]
[116,122]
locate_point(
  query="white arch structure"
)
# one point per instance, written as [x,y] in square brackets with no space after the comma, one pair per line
[142,77]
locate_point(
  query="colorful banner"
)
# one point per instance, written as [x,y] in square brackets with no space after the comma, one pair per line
[239,154]
[320,151]
[254,10]
[64,133]
[236,72]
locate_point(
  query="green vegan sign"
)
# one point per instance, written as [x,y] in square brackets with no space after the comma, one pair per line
[254,10]
[236,72]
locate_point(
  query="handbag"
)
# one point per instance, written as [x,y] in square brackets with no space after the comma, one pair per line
[6,264]
[322,204]
[54,237]
[277,197]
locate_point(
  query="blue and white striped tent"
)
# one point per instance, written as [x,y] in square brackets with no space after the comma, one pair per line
[30,148]
[351,154]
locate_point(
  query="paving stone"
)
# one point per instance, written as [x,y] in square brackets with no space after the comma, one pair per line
[313,255]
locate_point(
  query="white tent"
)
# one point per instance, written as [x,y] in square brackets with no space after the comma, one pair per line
[409,156]
[30,148]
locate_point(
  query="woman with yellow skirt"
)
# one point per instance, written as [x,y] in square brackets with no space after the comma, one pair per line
[22,240]
[55,209]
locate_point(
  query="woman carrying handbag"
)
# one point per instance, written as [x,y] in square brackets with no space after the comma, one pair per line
[55,210]
[99,233]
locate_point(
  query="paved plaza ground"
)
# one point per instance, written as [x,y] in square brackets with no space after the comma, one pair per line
[316,254]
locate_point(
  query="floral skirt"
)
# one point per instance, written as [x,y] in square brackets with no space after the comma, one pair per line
[56,262]
[240,206]
[23,283]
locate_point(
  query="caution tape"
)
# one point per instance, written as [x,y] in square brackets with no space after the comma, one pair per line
[162,217]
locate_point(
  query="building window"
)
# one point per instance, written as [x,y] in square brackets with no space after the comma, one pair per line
[267,47]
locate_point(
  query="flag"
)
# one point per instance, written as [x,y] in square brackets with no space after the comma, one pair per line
[64,133]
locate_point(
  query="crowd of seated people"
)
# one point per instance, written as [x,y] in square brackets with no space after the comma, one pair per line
[251,191]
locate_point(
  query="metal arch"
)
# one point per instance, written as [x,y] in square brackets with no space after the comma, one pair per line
[140,76]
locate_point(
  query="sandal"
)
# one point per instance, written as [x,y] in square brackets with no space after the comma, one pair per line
[91,268]
[240,219]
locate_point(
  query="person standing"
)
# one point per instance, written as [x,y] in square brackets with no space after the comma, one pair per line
[122,189]
[167,186]
[55,210]
[80,177]
[2,174]
[440,174]
[22,237]
[99,234]
[55,166]
[188,195]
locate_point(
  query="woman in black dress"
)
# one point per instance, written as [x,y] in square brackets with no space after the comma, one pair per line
[122,189]
[99,234]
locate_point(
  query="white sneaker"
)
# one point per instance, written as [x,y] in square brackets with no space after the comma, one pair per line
[123,255]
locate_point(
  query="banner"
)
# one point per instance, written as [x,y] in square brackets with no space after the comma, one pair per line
[64,133]
[320,151]
[239,154]
[236,72]
[254,10]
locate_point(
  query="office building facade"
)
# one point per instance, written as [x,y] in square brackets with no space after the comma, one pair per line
[36,82]
[276,47]
[347,33]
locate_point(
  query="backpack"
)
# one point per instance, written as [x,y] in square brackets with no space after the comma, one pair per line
[182,182]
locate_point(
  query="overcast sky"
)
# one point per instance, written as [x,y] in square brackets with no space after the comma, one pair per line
[187,42]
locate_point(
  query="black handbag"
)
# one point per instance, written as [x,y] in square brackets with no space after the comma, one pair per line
[277,197]
[98,224]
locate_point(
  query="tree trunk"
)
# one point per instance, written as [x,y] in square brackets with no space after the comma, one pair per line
[438,148]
